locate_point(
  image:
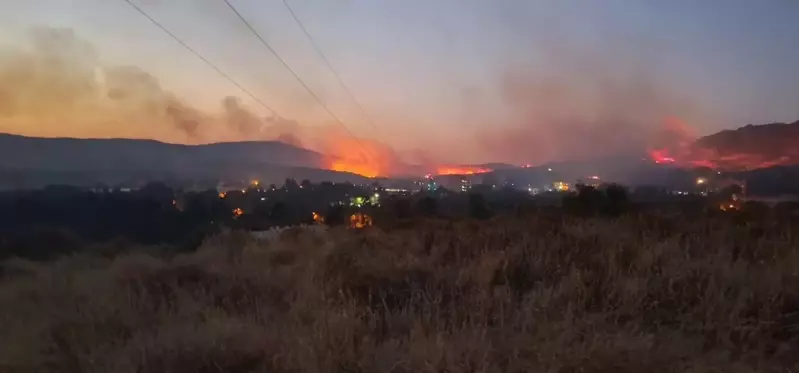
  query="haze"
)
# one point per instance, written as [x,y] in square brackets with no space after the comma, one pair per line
[450,80]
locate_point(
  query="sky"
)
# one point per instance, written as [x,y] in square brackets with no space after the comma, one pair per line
[455,80]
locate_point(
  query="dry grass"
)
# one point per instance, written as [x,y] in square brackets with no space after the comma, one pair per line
[547,294]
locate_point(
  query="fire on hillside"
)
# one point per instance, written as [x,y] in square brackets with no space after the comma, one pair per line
[460,170]
[678,144]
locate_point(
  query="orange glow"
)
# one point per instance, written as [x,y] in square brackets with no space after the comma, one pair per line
[360,220]
[355,167]
[364,157]
[460,170]
[730,206]
[237,212]
[561,186]
[676,144]
[318,218]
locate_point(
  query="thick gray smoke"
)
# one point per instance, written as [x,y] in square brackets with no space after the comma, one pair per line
[57,86]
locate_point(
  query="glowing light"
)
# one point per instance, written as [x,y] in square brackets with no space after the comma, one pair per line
[461,170]
[360,220]
[318,218]
[701,181]
[355,167]
[222,195]
[561,186]
[357,201]
[237,212]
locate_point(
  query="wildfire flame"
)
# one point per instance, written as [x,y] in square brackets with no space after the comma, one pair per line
[355,166]
[677,144]
[460,170]
[364,157]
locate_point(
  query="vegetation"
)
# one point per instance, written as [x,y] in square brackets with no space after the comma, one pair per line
[549,292]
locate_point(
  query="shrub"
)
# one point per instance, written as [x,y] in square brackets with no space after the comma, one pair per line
[546,292]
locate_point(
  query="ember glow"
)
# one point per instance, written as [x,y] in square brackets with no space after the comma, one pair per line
[371,158]
[677,144]
[460,170]
[358,167]
[363,157]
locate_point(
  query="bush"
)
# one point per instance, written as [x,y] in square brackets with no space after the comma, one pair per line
[478,209]
[548,292]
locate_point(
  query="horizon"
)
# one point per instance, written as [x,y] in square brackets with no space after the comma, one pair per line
[518,83]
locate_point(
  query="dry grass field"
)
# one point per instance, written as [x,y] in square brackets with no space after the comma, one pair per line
[543,293]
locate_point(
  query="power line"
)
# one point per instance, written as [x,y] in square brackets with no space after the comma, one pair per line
[207,62]
[283,62]
[329,65]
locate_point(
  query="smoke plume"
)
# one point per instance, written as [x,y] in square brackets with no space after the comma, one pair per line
[580,105]
[57,86]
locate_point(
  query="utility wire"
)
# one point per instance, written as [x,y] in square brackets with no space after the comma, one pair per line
[283,62]
[200,56]
[329,65]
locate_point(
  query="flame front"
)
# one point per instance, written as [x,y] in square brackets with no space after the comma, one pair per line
[355,166]
[364,157]
[677,144]
[460,170]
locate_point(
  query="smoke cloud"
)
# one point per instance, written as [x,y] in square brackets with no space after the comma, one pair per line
[581,105]
[57,86]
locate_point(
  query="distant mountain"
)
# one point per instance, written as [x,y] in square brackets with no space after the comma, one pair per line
[32,162]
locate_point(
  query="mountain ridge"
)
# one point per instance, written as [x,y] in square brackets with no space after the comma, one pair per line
[31,162]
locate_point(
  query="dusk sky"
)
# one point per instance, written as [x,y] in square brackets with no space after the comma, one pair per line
[459,80]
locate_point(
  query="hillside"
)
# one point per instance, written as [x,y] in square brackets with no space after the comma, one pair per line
[32,162]
[752,146]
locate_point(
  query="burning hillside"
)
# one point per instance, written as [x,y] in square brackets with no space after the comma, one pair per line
[360,156]
[372,158]
[747,148]
[461,170]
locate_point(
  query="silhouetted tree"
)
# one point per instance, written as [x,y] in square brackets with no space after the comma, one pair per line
[336,215]
[427,206]
[478,209]
[291,184]
[279,214]
[157,191]
[617,200]
[402,208]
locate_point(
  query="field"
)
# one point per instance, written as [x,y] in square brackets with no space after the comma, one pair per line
[546,293]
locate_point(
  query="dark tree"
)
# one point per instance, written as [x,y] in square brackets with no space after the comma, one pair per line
[427,206]
[291,184]
[617,199]
[336,215]
[280,214]
[403,208]
[157,191]
[478,209]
